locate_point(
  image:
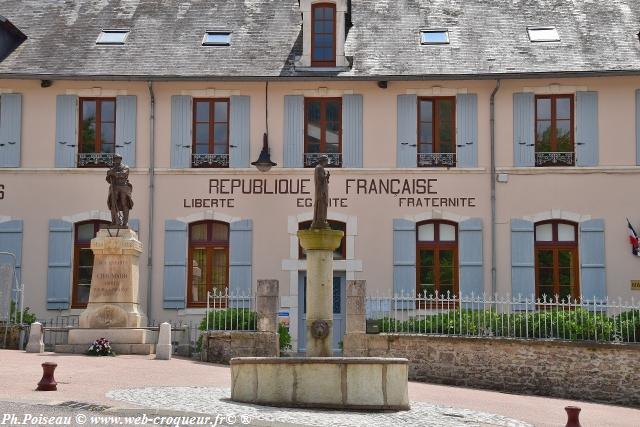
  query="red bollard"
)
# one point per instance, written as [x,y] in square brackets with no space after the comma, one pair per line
[573,414]
[48,383]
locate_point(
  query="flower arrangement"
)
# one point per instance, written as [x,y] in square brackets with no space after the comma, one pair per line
[101,347]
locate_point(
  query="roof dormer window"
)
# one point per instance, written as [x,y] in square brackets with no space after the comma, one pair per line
[323,35]
[112,37]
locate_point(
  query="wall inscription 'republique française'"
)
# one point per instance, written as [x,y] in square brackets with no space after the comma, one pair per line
[408,192]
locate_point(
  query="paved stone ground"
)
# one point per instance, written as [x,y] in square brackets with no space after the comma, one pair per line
[209,400]
[89,379]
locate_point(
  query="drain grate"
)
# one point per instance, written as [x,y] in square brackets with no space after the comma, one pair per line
[83,405]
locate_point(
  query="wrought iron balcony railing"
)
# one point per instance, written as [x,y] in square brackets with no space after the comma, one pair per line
[552,158]
[210,160]
[437,160]
[311,159]
[95,160]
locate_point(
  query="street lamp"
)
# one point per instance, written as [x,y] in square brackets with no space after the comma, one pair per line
[264,163]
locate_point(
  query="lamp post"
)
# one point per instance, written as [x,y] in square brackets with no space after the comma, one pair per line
[264,163]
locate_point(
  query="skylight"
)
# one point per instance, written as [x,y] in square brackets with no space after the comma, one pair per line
[217,38]
[112,37]
[543,34]
[434,36]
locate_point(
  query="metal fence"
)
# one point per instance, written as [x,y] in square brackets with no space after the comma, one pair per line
[509,317]
[230,312]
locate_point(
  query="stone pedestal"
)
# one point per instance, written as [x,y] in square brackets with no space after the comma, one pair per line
[319,244]
[114,300]
[114,306]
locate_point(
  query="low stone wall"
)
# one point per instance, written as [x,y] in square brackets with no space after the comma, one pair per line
[222,346]
[576,370]
[13,336]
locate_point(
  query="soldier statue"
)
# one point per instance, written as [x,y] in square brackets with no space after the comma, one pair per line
[321,203]
[119,200]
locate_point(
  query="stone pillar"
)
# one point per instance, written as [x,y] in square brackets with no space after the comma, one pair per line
[163,348]
[319,244]
[114,299]
[267,305]
[356,306]
[36,343]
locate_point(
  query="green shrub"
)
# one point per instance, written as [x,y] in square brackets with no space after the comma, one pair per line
[230,319]
[576,324]
[284,337]
[27,317]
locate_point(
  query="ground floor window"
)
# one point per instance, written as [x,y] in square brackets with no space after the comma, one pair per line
[437,259]
[556,248]
[83,261]
[209,261]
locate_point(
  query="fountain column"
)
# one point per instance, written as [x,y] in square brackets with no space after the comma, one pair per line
[319,245]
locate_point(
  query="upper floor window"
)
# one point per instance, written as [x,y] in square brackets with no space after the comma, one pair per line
[436,132]
[556,264]
[83,261]
[97,136]
[554,130]
[323,130]
[437,259]
[208,261]
[323,35]
[340,252]
[210,147]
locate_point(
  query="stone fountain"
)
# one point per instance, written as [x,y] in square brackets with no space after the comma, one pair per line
[319,380]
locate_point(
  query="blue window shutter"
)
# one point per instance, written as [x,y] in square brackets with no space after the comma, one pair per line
[60,255]
[175,264]
[467,130]
[293,131]
[352,139]
[10,129]
[592,260]
[587,128]
[240,258]
[404,260]
[524,132]
[181,131]
[126,119]
[638,127]
[407,132]
[11,241]
[66,130]
[470,257]
[523,283]
[239,132]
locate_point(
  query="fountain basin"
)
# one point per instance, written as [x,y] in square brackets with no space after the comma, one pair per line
[367,383]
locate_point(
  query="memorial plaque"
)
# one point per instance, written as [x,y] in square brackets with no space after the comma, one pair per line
[111,280]
[635,285]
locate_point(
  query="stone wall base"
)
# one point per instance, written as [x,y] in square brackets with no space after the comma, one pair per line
[222,346]
[572,370]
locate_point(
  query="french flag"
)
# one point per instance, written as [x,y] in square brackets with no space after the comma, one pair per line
[633,238]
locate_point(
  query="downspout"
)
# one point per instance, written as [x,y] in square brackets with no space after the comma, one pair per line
[492,109]
[152,168]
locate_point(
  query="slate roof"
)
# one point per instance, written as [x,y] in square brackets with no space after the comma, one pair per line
[488,39]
